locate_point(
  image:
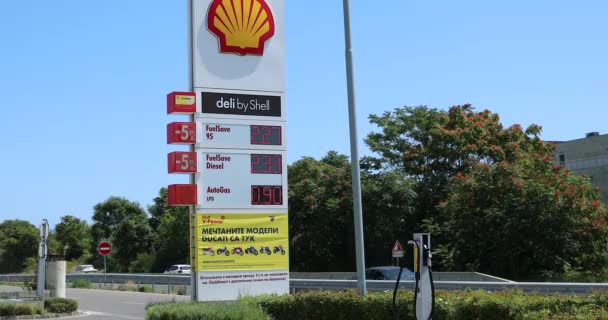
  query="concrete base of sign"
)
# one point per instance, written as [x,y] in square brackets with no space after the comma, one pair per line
[55,278]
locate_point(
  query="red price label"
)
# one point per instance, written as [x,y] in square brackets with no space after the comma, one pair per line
[181,133]
[182,162]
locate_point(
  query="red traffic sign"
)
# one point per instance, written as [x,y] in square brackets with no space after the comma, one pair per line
[104,248]
[397,250]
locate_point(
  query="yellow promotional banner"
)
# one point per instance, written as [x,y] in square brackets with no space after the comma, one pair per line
[228,242]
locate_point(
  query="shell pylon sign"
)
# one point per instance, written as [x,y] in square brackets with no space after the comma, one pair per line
[241,26]
[237,162]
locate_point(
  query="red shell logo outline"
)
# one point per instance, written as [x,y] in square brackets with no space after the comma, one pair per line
[241,26]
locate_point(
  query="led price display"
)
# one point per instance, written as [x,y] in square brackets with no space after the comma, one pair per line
[267,195]
[266,163]
[265,135]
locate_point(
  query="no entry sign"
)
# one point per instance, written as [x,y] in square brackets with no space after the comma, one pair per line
[104,248]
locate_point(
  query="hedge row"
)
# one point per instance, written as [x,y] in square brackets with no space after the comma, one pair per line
[51,305]
[12,309]
[200,311]
[468,305]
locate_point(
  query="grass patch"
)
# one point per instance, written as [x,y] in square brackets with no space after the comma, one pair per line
[81,284]
[204,311]
[145,288]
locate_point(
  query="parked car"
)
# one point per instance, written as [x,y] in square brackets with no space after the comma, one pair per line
[85,268]
[179,269]
[388,273]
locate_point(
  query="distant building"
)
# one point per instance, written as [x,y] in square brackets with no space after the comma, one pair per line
[587,156]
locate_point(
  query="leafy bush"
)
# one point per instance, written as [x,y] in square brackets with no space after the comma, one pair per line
[145,289]
[60,305]
[142,264]
[454,305]
[81,283]
[207,311]
[11,310]
[468,305]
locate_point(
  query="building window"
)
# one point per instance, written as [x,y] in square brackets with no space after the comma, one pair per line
[562,159]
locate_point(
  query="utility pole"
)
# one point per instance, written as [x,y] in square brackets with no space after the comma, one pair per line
[354,155]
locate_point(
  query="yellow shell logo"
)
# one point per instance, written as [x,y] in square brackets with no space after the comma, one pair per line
[242,26]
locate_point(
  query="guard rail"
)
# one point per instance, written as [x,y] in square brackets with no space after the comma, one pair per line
[316,284]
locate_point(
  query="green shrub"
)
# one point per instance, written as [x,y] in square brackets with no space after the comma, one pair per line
[145,289]
[467,305]
[81,283]
[206,311]
[452,305]
[11,310]
[60,305]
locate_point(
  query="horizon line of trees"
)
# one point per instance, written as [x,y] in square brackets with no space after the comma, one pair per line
[492,198]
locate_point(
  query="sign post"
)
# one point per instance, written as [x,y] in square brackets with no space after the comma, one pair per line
[397,251]
[42,252]
[104,248]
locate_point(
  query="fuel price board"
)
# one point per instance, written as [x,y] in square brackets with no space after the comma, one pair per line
[241,179]
[240,134]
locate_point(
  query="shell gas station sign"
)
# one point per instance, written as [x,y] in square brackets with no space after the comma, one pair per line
[236,157]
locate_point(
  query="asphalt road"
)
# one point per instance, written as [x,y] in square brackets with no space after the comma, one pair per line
[106,305]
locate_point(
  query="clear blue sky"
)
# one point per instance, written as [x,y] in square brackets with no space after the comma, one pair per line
[83,83]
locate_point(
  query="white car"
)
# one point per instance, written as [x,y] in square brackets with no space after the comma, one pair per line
[86,268]
[179,269]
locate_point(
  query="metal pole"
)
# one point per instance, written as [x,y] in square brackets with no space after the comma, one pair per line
[193,279]
[354,154]
[105,272]
[42,253]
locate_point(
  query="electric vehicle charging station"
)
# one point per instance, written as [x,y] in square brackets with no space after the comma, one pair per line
[424,290]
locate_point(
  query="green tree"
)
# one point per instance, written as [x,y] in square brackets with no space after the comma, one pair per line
[125,224]
[525,219]
[320,214]
[170,227]
[130,239]
[18,241]
[73,235]
[463,163]
[321,218]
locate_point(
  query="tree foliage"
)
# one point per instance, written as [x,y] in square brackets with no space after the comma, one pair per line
[489,194]
[321,217]
[73,236]
[18,241]
[125,224]
[523,219]
[170,227]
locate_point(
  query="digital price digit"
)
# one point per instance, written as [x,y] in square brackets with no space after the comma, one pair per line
[265,135]
[266,163]
[267,195]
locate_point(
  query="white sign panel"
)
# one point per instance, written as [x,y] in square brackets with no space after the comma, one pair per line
[242,180]
[215,286]
[223,58]
[266,135]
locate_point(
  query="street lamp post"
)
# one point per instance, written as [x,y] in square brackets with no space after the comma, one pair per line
[354,154]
